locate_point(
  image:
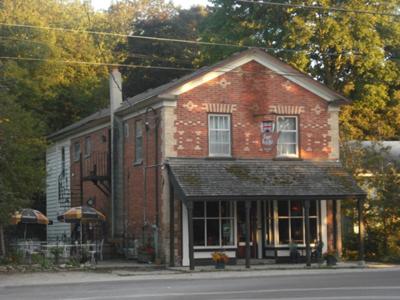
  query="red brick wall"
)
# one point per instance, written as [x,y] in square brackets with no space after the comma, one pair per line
[100,147]
[251,94]
[134,202]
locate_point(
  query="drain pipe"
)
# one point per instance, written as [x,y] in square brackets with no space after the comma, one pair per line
[155,227]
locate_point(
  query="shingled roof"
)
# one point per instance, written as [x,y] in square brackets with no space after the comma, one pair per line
[207,179]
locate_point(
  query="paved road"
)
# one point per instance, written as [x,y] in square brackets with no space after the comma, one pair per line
[352,285]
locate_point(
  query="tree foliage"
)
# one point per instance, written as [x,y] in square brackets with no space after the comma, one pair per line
[21,157]
[174,24]
[349,52]
[58,93]
[378,172]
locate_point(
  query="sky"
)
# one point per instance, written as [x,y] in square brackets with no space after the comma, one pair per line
[104,4]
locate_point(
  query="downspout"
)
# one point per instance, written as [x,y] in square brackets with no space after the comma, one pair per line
[156,166]
[115,82]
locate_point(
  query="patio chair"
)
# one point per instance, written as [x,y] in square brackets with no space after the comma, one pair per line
[99,250]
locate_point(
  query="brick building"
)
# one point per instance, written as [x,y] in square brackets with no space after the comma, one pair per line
[241,156]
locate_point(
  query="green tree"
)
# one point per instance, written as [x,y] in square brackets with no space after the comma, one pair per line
[58,93]
[378,172]
[21,159]
[176,24]
[349,52]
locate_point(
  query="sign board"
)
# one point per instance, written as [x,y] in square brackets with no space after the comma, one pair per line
[267,134]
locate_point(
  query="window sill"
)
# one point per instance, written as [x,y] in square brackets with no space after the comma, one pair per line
[288,158]
[220,158]
[138,163]
[214,248]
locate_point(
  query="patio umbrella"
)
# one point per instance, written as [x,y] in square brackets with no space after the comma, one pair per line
[29,216]
[81,214]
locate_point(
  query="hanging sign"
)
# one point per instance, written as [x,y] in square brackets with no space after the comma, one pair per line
[267,134]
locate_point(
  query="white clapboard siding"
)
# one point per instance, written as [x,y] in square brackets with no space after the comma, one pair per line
[53,170]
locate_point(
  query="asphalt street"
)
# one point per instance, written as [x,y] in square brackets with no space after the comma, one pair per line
[352,285]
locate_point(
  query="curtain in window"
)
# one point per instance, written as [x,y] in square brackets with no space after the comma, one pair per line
[287,141]
[219,135]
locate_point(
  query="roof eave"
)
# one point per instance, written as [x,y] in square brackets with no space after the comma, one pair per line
[59,135]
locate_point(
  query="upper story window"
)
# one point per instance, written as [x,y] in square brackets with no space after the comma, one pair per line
[77,151]
[126,129]
[138,141]
[63,160]
[219,135]
[288,136]
[88,146]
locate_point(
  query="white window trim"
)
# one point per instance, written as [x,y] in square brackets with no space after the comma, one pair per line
[229,136]
[219,218]
[297,136]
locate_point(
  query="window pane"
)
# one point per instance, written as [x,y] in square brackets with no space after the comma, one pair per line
[219,135]
[283,231]
[286,149]
[87,146]
[287,123]
[287,138]
[212,232]
[226,209]
[77,151]
[198,232]
[212,209]
[138,141]
[213,137]
[296,208]
[138,128]
[225,137]
[283,208]
[297,230]
[227,232]
[313,229]
[198,209]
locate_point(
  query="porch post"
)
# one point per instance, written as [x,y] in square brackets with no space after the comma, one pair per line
[307,227]
[360,204]
[171,226]
[189,205]
[247,207]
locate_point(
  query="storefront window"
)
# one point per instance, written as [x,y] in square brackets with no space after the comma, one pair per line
[290,222]
[213,223]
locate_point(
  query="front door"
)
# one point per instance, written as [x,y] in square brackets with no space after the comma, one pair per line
[241,229]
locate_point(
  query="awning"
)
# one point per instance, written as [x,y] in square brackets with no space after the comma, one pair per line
[213,179]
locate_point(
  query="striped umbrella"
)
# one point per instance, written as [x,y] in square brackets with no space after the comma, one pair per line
[81,214]
[29,216]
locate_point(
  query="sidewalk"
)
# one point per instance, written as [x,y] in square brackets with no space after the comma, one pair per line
[46,278]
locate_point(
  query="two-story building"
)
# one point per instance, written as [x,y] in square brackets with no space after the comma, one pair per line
[242,156]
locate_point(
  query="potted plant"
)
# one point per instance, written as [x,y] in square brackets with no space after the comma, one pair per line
[220,259]
[56,251]
[146,254]
[331,258]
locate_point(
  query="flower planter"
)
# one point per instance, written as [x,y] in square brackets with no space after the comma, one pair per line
[331,261]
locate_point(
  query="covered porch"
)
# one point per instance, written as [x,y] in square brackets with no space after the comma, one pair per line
[258,209]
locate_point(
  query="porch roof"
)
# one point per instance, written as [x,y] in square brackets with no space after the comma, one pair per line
[211,179]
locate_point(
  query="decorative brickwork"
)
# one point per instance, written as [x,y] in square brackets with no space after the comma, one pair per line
[252,96]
